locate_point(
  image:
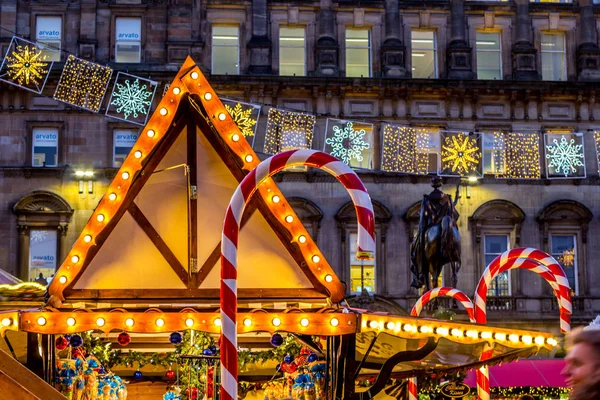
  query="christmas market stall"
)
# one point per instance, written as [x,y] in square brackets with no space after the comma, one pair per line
[159,258]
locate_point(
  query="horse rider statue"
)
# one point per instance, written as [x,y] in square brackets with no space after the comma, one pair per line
[437,241]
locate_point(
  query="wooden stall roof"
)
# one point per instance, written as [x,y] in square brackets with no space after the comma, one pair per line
[154,238]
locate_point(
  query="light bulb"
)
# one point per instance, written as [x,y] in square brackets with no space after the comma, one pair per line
[75,259]
[276,321]
[112,196]
[100,217]
[457,332]
[150,133]
[218,322]
[70,321]
[176,90]
[500,336]
[247,322]
[62,279]
[189,322]
[527,339]
[137,154]
[41,321]
[334,322]
[160,322]
[100,322]
[194,75]
[407,327]
[163,111]
[275,199]
[316,258]
[442,331]
[426,329]
[304,322]
[6,322]
[87,238]
[125,175]
[289,219]
[390,325]
[328,278]
[249,158]
[539,340]
[373,324]
[129,322]
[207,96]
[222,117]
[235,137]
[513,338]
[486,335]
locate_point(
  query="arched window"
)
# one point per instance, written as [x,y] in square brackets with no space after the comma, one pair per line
[42,220]
[496,227]
[363,275]
[309,213]
[564,231]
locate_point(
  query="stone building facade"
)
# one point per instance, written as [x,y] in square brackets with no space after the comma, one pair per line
[523,97]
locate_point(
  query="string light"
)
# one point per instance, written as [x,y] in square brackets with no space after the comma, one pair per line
[289,219]
[83,83]
[276,321]
[222,117]
[112,196]
[247,322]
[328,278]
[316,258]
[62,279]
[404,150]
[275,199]
[248,158]
[176,90]
[390,325]
[70,321]
[6,322]
[160,322]
[125,175]
[597,140]
[129,322]
[100,322]
[235,137]
[207,96]
[189,322]
[302,239]
[334,322]
[75,259]
[517,155]
[217,322]
[304,322]
[194,75]
[87,238]
[163,111]
[41,321]
[137,154]
[373,324]
[100,218]
[150,133]
[288,130]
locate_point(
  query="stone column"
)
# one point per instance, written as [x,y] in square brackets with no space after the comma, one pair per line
[327,47]
[588,53]
[259,46]
[458,55]
[523,51]
[393,51]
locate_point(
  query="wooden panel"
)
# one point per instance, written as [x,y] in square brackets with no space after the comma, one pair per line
[17,392]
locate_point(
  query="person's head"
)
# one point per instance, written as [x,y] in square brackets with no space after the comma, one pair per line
[582,363]
[41,275]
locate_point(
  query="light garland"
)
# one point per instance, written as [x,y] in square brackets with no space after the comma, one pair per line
[564,157]
[401,145]
[346,140]
[83,84]
[518,155]
[131,96]
[461,153]
[244,115]
[288,130]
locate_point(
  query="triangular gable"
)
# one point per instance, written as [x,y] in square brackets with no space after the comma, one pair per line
[140,227]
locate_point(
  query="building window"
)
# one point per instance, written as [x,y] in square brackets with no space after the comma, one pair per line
[493,160]
[45,147]
[423,55]
[49,36]
[362,272]
[225,50]
[494,246]
[358,52]
[128,41]
[564,250]
[489,56]
[292,49]
[123,142]
[554,58]
[430,150]
[42,254]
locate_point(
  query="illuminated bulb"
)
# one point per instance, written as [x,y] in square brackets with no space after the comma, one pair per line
[275,199]
[249,158]
[62,279]
[176,90]
[112,196]
[129,322]
[486,335]
[500,336]
[276,321]
[441,331]
[304,322]
[539,340]
[150,133]
[125,175]
[100,217]
[218,322]
[407,327]
[334,322]
[189,322]
[289,219]
[160,322]
[75,259]
[70,321]
[222,117]
[426,329]
[302,239]
[8,322]
[527,339]
[137,154]
[457,332]
[513,338]
[471,333]
[390,325]
[328,278]
[207,96]
[41,321]
[316,258]
[87,238]
[101,322]
[551,342]
[373,324]
[247,322]
[235,137]
[194,75]
[163,111]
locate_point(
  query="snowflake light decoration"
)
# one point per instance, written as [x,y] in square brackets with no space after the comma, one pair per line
[347,144]
[243,118]
[132,98]
[461,154]
[565,156]
[27,65]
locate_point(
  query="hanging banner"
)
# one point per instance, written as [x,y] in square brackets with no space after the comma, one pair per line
[245,115]
[564,155]
[350,141]
[25,65]
[288,130]
[405,149]
[131,98]
[461,154]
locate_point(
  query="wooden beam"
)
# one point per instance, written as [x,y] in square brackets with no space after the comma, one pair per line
[192,199]
[158,242]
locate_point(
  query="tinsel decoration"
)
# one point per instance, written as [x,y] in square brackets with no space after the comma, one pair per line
[124,338]
[76,341]
[175,338]
[25,65]
[288,130]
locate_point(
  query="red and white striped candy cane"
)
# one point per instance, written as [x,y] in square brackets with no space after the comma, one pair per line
[418,307]
[231,229]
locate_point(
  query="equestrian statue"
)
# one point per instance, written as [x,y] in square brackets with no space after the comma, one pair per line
[437,241]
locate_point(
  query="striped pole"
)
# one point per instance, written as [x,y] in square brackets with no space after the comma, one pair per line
[466,302]
[231,229]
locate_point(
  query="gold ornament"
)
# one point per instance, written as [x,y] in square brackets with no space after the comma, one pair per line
[567,258]
[242,118]
[27,65]
[461,153]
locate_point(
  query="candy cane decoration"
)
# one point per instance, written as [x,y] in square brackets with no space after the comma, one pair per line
[418,307]
[231,229]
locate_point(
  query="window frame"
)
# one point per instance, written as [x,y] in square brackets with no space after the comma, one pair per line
[61,151]
[304,47]
[563,52]
[114,144]
[212,50]
[574,235]
[499,51]
[369,48]
[435,52]
[485,254]
[140,41]
[353,262]
[61,35]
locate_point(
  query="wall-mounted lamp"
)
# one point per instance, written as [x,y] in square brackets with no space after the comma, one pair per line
[84,176]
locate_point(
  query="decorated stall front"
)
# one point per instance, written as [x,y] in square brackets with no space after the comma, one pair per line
[194,242]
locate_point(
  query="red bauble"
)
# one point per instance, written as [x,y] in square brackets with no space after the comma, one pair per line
[124,338]
[289,368]
[192,393]
[61,343]
[79,352]
[170,375]
[305,351]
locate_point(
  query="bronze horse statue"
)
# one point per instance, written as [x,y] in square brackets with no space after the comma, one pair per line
[437,241]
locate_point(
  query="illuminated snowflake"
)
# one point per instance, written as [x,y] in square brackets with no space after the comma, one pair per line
[27,65]
[348,144]
[132,98]
[243,119]
[462,153]
[565,156]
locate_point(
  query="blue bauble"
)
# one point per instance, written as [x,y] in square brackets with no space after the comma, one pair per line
[208,352]
[276,340]
[288,359]
[213,348]
[175,338]
[312,357]
[76,341]
[137,375]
